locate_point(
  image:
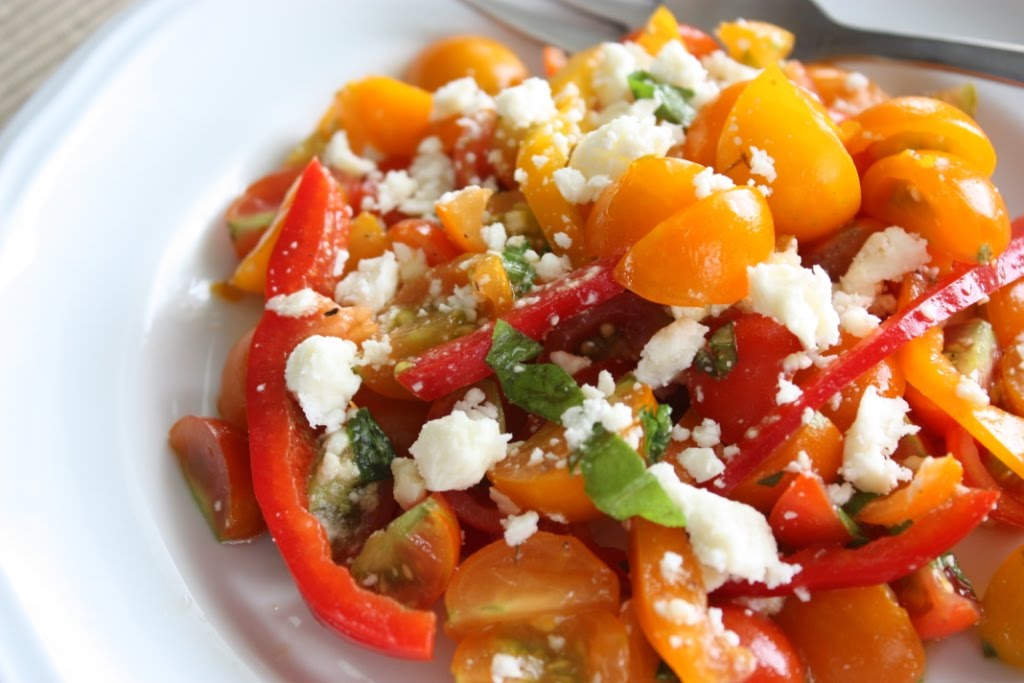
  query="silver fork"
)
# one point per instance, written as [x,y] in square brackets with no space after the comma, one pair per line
[818,35]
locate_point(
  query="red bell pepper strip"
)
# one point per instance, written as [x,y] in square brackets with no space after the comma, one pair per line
[946,299]
[283,445]
[960,443]
[460,362]
[804,516]
[884,559]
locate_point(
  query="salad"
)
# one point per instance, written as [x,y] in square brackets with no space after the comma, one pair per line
[688,361]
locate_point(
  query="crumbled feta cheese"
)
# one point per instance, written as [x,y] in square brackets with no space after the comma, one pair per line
[394,189]
[410,488]
[412,261]
[970,390]
[787,393]
[461,97]
[707,434]
[676,66]
[853,313]
[707,182]
[701,463]
[373,284]
[698,313]
[730,539]
[551,266]
[298,304]
[476,405]
[678,611]
[872,438]
[415,191]
[462,299]
[608,151]
[671,567]
[801,463]
[339,154]
[506,505]
[569,362]
[562,240]
[855,81]
[680,433]
[614,63]
[886,255]
[376,352]
[319,372]
[518,528]
[494,236]
[670,351]
[579,420]
[840,494]
[455,451]
[762,164]
[799,298]
[507,668]
[726,70]
[525,104]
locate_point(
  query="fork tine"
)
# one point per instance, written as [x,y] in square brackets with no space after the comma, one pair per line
[554,25]
[628,14]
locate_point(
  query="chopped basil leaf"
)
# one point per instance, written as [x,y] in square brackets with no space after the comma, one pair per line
[674,102]
[520,271]
[664,674]
[617,481]
[657,426]
[897,529]
[719,357]
[371,448]
[851,526]
[543,389]
[858,501]
[948,564]
[771,479]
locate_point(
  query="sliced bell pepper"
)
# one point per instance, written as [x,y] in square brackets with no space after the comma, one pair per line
[959,442]
[804,515]
[884,559]
[283,445]
[926,368]
[946,299]
[460,362]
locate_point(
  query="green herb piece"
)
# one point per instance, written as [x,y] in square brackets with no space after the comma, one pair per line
[897,529]
[985,253]
[657,425]
[521,272]
[988,650]
[674,102]
[664,674]
[617,481]
[858,501]
[851,525]
[371,449]
[719,357]
[771,479]
[543,389]
[947,563]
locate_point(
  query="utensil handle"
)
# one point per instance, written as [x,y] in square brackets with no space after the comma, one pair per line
[1003,60]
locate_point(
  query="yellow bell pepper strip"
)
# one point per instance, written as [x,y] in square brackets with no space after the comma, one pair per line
[946,299]
[927,369]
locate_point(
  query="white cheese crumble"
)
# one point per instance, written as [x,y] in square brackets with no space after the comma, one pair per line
[526,104]
[840,494]
[886,255]
[506,668]
[787,393]
[455,451]
[476,405]
[678,611]
[725,70]
[412,261]
[410,488]
[298,304]
[579,421]
[853,313]
[762,164]
[670,351]
[671,567]
[971,391]
[707,434]
[570,362]
[319,372]
[606,153]
[799,298]
[551,266]
[702,463]
[376,352]
[373,284]
[707,182]
[461,97]
[415,191]
[855,81]
[494,236]
[518,528]
[730,539]
[872,439]
[615,62]
[676,66]
[506,505]
[338,153]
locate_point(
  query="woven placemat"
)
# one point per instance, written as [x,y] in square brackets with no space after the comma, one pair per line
[36,36]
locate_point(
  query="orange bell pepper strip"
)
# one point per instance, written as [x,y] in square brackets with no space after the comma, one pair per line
[1010,509]
[926,368]
[933,484]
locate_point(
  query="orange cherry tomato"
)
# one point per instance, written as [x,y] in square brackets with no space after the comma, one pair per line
[854,635]
[1005,310]
[938,600]
[835,252]
[1002,627]
[252,213]
[809,159]
[933,484]
[701,143]
[777,660]
[921,123]
[462,217]
[944,199]
[491,283]
[214,457]
[426,235]
[671,606]
[383,113]
[700,255]
[547,574]
[414,557]
[592,646]
[652,189]
[493,65]
[1011,378]
[662,27]
[231,399]
[804,516]
[367,239]
[756,43]
[833,85]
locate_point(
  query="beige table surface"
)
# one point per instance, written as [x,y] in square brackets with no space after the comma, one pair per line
[36,36]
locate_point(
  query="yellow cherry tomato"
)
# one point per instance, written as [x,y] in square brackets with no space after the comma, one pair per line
[774,118]
[700,255]
[1002,628]
[491,64]
[756,43]
[946,200]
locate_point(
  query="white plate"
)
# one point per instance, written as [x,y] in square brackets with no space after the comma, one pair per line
[112,181]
